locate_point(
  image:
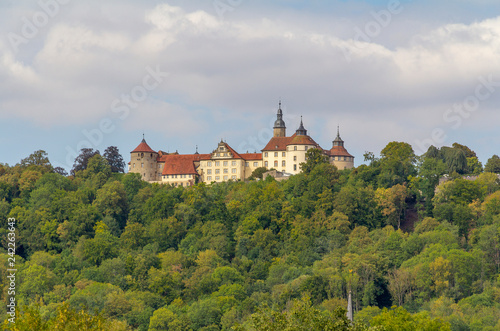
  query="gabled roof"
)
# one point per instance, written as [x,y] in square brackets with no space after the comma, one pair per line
[278,143]
[181,164]
[143,148]
[236,155]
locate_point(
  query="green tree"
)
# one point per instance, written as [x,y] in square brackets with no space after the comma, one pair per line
[258,172]
[114,158]
[314,157]
[397,163]
[301,316]
[82,160]
[37,158]
[493,164]
[398,319]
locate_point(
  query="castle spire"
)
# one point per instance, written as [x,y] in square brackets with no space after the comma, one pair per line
[301,131]
[279,125]
[338,141]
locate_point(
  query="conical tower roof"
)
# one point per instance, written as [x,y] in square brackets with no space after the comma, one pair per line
[143,147]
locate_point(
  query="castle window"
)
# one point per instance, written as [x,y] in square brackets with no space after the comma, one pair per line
[217,178]
[218,154]
[224,163]
[233,177]
[142,154]
[256,164]
[225,171]
[142,165]
[182,184]
[133,165]
[275,163]
[233,163]
[294,167]
[233,171]
[209,178]
[151,155]
[345,158]
[294,148]
[209,163]
[275,154]
[283,163]
[209,171]
[221,148]
[283,154]
[295,157]
[217,163]
[138,154]
[265,154]
[217,171]
[247,164]
[265,164]
[225,177]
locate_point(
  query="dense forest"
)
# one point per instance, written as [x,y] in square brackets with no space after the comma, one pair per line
[415,239]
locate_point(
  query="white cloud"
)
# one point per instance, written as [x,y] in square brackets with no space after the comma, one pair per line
[241,67]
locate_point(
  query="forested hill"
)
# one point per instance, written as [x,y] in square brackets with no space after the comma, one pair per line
[103,250]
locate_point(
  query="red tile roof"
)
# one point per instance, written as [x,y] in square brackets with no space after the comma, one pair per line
[278,143]
[235,154]
[251,156]
[303,140]
[181,164]
[338,151]
[143,147]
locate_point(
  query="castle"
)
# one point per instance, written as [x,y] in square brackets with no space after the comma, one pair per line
[281,153]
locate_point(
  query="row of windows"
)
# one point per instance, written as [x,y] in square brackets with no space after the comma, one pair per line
[180,176]
[225,171]
[224,163]
[209,178]
[142,165]
[180,184]
[142,155]
[343,158]
[283,163]
[283,154]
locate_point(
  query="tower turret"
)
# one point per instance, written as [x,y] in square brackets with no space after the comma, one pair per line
[301,131]
[143,160]
[338,141]
[279,129]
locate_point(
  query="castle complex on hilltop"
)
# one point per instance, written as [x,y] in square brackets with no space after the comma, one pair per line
[281,153]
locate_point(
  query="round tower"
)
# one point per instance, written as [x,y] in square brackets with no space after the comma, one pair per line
[339,156]
[143,160]
[279,129]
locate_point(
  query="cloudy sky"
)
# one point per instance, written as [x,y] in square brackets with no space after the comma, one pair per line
[97,73]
